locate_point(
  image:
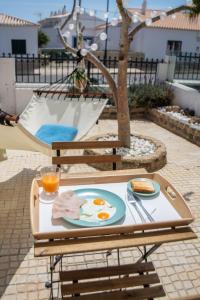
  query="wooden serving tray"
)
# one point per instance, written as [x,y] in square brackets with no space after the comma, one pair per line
[175,199]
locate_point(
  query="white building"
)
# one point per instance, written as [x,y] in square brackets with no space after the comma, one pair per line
[49,26]
[171,35]
[17,36]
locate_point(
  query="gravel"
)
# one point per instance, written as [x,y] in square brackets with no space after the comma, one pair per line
[181,117]
[139,146]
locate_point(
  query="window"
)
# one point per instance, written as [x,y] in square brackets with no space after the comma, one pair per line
[87,41]
[174,47]
[18,46]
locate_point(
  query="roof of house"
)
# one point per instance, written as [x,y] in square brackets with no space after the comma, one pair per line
[6,20]
[103,25]
[62,16]
[56,17]
[181,22]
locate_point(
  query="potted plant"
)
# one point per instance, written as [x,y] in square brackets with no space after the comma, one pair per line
[80,79]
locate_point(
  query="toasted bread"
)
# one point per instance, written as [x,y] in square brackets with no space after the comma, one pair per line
[142,186]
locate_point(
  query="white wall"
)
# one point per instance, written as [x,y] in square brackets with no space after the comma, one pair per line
[13,98]
[7,85]
[153,41]
[54,40]
[49,27]
[186,97]
[113,39]
[23,97]
[28,33]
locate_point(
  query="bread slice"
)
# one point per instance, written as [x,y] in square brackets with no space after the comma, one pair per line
[142,186]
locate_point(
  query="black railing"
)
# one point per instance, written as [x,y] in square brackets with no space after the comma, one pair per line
[187,66]
[49,69]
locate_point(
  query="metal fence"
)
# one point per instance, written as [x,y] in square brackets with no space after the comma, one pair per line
[49,69]
[187,66]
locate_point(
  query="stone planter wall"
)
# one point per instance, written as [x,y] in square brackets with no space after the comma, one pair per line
[151,162]
[174,125]
[160,118]
[110,112]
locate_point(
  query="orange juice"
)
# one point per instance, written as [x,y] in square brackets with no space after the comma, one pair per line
[50,183]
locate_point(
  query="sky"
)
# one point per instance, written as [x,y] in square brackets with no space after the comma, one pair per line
[34,10]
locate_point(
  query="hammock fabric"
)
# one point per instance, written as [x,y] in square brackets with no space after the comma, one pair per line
[80,113]
[59,106]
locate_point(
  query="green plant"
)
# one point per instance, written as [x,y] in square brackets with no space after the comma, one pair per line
[43,39]
[79,79]
[56,53]
[150,96]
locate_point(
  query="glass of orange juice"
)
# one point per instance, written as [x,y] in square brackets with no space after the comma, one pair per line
[50,178]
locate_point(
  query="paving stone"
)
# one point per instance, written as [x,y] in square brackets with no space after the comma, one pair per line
[23,277]
[21,296]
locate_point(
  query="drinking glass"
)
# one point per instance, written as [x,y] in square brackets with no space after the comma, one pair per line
[50,178]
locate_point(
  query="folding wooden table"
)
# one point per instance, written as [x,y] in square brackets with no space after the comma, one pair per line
[58,240]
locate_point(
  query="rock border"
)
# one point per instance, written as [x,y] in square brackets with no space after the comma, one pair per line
[110,112]
[164,120]
[174,125]
[151,162]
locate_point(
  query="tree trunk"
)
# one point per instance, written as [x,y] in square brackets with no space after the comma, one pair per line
[122,94]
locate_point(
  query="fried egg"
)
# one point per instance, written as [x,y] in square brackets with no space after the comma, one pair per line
[97,209]
[103,215]
[98,201]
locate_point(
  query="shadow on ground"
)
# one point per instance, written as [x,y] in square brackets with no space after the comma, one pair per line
[15,231]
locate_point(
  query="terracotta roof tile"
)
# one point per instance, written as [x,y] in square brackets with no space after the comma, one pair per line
[6,20]
[181,22]
[103,25]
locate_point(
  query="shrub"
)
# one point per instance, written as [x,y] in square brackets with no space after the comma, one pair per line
[150,96]
[43,39]
[56,53]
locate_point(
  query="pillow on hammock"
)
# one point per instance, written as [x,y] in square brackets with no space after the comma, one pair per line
[50,133]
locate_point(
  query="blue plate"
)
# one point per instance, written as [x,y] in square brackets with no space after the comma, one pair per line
[146,195]
[113,200]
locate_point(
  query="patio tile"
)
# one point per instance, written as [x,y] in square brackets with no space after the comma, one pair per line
[23,277]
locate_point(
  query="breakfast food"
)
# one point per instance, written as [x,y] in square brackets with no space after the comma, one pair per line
[67,204]
[98,201]
[103,215]
[97,209]
[142,186]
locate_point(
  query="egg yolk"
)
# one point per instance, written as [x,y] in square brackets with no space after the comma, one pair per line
[103,215]
[99,201]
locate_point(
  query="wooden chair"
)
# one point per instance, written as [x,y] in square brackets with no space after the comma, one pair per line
[86,159]
[108,283]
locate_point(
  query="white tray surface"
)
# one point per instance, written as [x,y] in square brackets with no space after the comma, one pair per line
[159,207]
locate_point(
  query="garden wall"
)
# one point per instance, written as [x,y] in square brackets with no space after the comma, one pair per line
[110,112]
[160,118]
[186,97]
[174,125]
